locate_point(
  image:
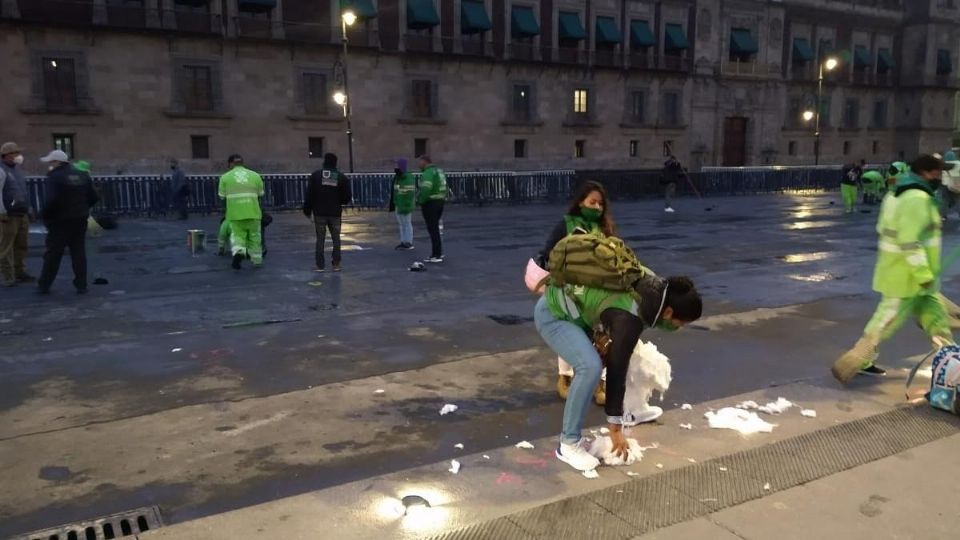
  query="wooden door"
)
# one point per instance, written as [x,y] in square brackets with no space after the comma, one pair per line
[734,142]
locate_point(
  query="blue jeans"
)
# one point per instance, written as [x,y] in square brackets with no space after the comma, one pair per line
[572,343]
[406,228]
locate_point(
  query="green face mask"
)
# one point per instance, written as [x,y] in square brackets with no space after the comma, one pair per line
[591,214]
[666,326]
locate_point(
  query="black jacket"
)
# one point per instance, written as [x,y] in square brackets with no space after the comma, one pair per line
[327,192]
[68,194]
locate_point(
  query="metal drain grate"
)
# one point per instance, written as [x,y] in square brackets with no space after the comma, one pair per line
[113,526]
[646,504]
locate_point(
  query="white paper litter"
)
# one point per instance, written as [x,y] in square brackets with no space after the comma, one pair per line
[448,408]
[809,413]
[649,372]
[631,473]
[766,487]
[591,474]
[524,445]
[659,465]
[777,407]
[686,407]
[379,391]
[604,431]
[454,466]
[178,349]
[486,456]
[723,469]
[602,449]
[748,405]
[691,460]
[48,339]
[686,426]
[745,422]
[458,445]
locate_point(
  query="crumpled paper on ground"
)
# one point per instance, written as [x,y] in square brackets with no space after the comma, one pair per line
[745,422]
[649,372]
[602,449]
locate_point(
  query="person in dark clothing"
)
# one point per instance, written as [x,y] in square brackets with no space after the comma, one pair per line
[69,195]
[672,169]
[327,192]
[179,189]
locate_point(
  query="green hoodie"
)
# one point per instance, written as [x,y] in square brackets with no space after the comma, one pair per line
[433,185]
[404,191]
[909,240]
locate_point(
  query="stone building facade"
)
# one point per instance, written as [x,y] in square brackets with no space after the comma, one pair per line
[478,84]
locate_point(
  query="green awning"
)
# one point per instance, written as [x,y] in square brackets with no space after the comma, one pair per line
[741,42]
[473,17]
[862,57]
[885,60]
[802,51]
[422,14]
[523,23]
[363,9]
[571,27]
[641,35]
[676,40]
[607,31]
[256,6]
[944,62]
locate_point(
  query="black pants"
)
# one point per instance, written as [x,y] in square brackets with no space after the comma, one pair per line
[432,212]
[322,224]
[180,203]
[68,233]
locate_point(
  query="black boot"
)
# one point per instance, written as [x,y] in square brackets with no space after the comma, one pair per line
[237,259]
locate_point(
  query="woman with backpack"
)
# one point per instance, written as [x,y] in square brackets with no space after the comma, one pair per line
[566,316]
[589,213]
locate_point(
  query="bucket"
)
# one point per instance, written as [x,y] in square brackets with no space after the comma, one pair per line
[196,240]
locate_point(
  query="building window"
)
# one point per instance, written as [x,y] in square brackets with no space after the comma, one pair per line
[64,141]
[880,114]
[581,97]
[315,147]
[521,103]
[637,107]
[670,113]
[743,46]
[423,100]
[200,146]
[59,82]
[314,93]
[420,147]
[197,88]
[876,148]
[579,148]
[792,148]
[846,148]
[520,148]
[851,113]
[634,148]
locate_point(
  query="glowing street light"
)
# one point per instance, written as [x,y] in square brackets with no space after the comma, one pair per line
[340,98]
[831,64]
[349,18]
[807,116]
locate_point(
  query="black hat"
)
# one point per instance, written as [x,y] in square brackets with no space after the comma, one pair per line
[234,158]
[927,162]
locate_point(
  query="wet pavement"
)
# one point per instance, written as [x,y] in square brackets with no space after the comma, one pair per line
[185,384]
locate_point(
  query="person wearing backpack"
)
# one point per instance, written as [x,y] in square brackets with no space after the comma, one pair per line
[589,212]
[402,202]
[565,317]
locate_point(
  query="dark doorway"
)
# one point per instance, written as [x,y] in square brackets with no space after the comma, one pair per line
[734,142]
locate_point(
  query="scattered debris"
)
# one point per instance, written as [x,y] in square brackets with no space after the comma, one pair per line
[454,466]
[602,449]
[379,391]
[48,339]
[686,407]
[486,456]
[525,445]
[708,500]
[631,473]
[777,407]
[745,422]
[458,446]
[604,431]
[766,487]
[686,426]
[691,460]
[809,413]
[748,405]
[417,267]
[723,469]
[448,408]
[659,465]
[315,283]
[591,474]
[178,349]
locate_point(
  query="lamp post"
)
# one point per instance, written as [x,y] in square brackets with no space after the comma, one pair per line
[347,18]
[828,64]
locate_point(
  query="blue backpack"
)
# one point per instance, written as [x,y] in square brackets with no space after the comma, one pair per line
[944,378]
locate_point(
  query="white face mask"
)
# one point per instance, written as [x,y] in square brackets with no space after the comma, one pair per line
[18,160]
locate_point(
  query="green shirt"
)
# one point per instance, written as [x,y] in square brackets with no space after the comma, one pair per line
[433,185]
[583,305]
[242,189]
[404,192]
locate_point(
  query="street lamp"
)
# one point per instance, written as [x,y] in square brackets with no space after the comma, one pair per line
[828,64]
[347,18]
[807,116]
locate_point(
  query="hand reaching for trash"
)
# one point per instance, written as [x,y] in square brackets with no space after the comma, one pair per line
[621,448]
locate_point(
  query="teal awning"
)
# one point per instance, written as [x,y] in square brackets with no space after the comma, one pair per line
[885,60]
[741,42]
[676,40]
[256,6]
[363,9]
[473,17]
[944,62]
[641,35]
[571,27]
[607,31]
[422,14]
[802,51]
[862,57]
[523,23]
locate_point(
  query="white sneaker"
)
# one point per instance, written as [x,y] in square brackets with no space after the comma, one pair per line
[577,456]
[649,414]
[434,260]
[669,210]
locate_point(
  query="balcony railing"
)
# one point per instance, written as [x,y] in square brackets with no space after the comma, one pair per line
[522,51]
[418,42]
[566,55]
[607,58]
[746,69]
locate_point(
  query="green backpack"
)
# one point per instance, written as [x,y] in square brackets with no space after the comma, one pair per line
[595,260]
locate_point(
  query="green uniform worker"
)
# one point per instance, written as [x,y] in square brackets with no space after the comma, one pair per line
[242,189]
[907,271]
[848,187]
[873,184]
[403,202]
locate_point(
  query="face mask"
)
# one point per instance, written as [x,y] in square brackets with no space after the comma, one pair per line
[667,325]
[591,214]
[18,160]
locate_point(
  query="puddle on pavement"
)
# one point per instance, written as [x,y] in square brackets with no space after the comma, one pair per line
[806,257]
[818,277]
[802,225]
